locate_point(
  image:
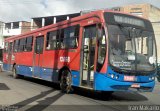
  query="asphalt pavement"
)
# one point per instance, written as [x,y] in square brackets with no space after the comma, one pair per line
[27,94]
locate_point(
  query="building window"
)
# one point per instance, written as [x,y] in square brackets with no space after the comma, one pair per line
[15,25]
[7,25]
[136,8]
[116,9]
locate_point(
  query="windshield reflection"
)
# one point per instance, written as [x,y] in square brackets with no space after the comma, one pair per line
[131,48]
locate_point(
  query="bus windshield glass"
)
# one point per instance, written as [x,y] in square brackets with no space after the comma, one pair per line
[131,43]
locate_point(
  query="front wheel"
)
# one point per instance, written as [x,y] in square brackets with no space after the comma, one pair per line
[66,81]
[15,75]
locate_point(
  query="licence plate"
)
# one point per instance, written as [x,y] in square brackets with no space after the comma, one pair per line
[135,86]
[129,78]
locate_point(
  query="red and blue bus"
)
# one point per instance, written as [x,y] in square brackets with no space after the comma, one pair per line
[102,50]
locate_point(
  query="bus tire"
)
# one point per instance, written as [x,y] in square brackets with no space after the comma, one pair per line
[15,75]
[66,81]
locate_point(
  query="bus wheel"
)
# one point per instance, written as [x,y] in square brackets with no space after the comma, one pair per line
[15,75]
[65,82]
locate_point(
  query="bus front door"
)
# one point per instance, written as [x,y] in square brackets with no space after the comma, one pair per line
[88,56]
[38,56]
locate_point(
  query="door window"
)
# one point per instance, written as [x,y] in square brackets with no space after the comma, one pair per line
[101,50]
[89,46]
[39,45]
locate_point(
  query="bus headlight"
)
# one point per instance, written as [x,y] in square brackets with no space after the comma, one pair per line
[151,78]
[112,76]
[117,77]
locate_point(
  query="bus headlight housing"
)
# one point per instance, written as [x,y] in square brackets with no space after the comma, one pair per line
[116,76]
[151,78]
[112,75]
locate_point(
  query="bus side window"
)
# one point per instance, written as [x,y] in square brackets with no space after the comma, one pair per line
[28,46]
[101,50]
[69,39]
[16,45]
[22,44]
[10,47]
[61,39]
[72,41]
[6,47]
[51,42]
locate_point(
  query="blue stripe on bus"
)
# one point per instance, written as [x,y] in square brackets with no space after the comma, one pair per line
[7,67]
[138,79]
[39,72]
[46,74]
[24,70]
[103,83]
[75,78]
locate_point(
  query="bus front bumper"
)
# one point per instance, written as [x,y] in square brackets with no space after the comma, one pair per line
[103,83]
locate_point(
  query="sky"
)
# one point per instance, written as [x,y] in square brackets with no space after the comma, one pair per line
[24,10]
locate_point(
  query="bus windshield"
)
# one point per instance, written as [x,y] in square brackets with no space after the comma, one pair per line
[131,48]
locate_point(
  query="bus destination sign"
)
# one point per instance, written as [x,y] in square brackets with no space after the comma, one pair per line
[129,20]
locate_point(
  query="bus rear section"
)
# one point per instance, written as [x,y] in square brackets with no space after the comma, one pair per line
[7,56]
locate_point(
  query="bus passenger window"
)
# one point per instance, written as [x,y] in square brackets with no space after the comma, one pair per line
[101,51]
[74,36]
[22,44]
[16,44]
[62,39]
[6,47]
[28,46]
[70,39]
[51,42]
[10,47]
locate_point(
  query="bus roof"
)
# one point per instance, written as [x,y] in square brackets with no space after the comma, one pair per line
[86,15]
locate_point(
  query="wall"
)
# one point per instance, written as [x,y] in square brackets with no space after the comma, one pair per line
[11,32]
[154,17]
[1,35]
[137,9]
[26,26]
